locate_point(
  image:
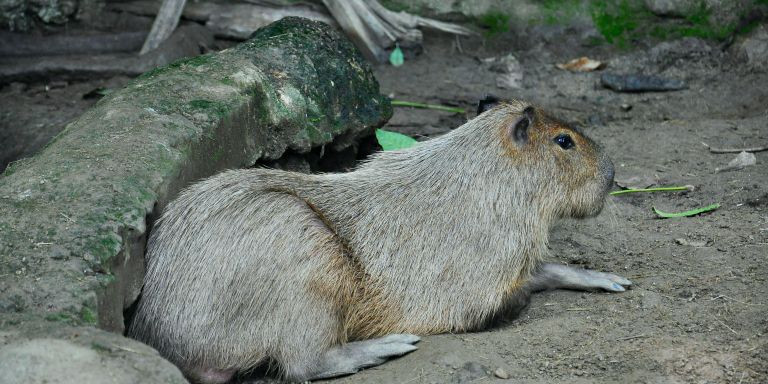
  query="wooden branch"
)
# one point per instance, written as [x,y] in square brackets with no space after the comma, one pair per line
[23,44]
[736,150]
[186,41]
[374,29]
[165,23]
[235,20]
[347,14]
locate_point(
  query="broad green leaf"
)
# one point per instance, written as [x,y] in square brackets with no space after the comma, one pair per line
[392,140]
[692,212]
[396,57]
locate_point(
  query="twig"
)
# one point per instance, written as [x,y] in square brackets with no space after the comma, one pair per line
[726,325]
[734,300]
[457,44]
[640,336]
[68,218]
[736,150]
[401,103]
[577,309]
[374,28]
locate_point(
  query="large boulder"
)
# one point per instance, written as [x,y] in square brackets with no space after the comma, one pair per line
[74,219]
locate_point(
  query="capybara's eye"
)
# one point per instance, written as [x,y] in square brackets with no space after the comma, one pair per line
[564,141]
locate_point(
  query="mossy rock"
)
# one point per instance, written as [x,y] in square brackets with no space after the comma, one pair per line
[74,218]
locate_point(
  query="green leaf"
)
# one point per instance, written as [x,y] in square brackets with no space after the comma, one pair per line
[693,212]
[660,189]
[396,57]
[390,141]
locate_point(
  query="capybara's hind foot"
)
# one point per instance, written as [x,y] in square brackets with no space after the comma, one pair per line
[210,375]
[352,357]
[559,276]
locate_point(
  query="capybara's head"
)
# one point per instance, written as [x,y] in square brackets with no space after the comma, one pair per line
[569,173]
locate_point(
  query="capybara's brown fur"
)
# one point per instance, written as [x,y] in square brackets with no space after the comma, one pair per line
[258,265]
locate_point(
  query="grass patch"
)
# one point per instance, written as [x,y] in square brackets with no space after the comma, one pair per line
[555,12]
[620,22]
[61,317]
[494,23]
[88,316]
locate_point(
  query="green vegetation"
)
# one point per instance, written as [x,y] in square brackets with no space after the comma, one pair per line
[692,212]
[190,61]
[391,141]
[622,21]
[660,189]
[560,11]
[212,108]
[402,103]
[88,316]
[616,22]
[494,23]
[61,317]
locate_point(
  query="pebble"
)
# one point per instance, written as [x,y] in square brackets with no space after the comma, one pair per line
[640,83]
[501,373]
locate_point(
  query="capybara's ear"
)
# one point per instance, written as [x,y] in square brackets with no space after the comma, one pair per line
[487,103]
[519,132]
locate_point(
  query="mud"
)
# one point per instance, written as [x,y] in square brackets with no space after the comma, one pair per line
[696,312]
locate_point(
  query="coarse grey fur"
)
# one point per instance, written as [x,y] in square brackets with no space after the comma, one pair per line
[257,265]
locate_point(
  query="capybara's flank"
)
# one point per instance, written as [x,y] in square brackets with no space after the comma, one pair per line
[323,275]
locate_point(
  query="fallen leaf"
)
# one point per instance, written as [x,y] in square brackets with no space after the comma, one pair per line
[582,64]
[390,141]
[396,57]
[692,212]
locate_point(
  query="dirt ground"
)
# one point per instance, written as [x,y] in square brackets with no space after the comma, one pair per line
[697,310]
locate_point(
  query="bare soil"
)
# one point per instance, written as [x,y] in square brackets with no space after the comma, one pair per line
[697,310]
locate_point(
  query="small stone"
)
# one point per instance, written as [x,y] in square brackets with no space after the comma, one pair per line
[510,71]
[743,159]
[640,83]
[501,373]
[691,243]
[626,107]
